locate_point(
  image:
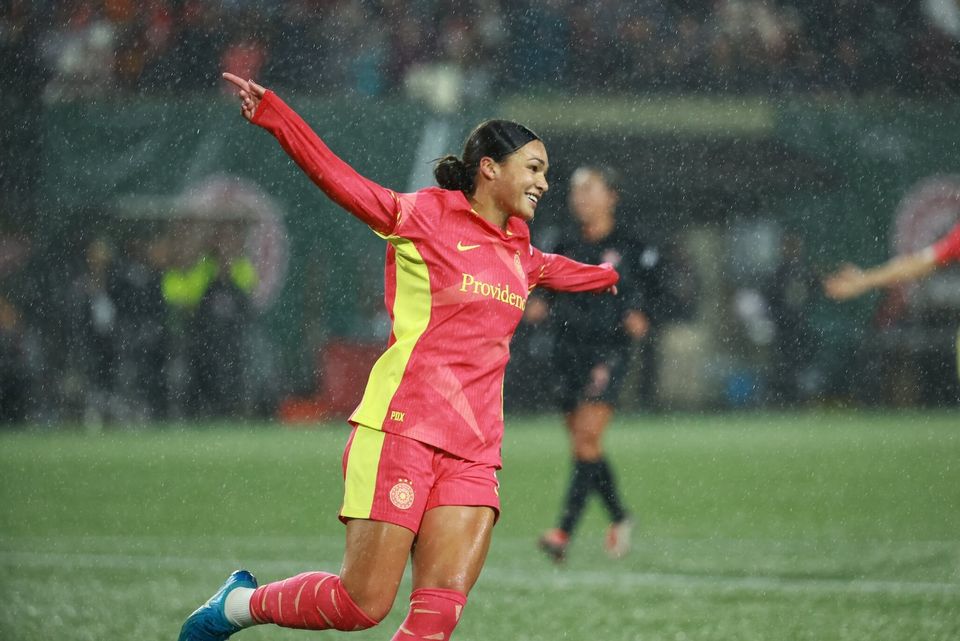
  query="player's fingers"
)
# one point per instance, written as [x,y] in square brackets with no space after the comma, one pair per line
[257,90]
[236,80]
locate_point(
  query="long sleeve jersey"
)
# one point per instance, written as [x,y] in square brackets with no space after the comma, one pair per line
[455,289]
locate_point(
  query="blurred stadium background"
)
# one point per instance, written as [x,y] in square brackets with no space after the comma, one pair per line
[171,283]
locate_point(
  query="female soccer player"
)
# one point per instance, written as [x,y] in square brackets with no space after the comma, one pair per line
[420,464]
[592,350]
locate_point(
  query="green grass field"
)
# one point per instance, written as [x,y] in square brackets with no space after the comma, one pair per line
[818,527]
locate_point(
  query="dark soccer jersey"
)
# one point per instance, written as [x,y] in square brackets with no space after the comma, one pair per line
[947,249]
[587,319]
[455,288]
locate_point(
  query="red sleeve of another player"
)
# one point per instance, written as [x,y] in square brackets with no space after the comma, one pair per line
[374,205]
[947,249]
[561,274]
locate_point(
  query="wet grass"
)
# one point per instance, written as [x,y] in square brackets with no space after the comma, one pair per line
[840,526]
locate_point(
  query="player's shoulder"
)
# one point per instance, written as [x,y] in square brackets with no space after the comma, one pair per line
[440,197]
[436,201]
[426,207]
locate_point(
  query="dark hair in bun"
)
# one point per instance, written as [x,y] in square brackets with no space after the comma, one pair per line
[494,138]
[452,174]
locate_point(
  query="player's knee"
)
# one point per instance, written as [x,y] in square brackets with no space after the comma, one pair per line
[375,606]
[377,612]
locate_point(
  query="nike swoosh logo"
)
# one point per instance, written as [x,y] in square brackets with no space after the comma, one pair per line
[464,248]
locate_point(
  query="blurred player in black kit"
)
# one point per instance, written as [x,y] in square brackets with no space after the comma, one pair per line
[592,350]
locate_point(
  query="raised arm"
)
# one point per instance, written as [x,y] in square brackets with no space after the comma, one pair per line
[562,274]
[852,281]
[374,205]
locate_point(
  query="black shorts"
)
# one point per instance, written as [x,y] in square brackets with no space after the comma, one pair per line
[590,374]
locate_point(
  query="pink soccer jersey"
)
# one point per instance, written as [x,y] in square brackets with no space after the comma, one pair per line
[455,288]
[947,249]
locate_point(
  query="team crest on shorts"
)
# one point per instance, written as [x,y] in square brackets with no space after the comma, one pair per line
[401,494]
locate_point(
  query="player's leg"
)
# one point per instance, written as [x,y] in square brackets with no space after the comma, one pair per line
[381,526]
[451,546]
[592,421]
[585,425]
[382,515]
[555,541]
[580,485]
[602,398]
[359,598]
[447,558]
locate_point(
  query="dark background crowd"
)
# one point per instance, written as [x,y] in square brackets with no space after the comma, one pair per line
[156,322]
[370,47]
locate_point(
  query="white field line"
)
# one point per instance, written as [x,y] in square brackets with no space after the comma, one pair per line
[572,580]
[317,540]
[553,578]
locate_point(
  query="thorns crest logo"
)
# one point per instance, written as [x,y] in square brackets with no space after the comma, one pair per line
[401,494]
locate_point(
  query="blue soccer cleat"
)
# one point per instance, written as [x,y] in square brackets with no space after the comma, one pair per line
[208,622]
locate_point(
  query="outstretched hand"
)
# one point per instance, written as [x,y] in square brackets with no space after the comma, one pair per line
[250,94]
[847,283]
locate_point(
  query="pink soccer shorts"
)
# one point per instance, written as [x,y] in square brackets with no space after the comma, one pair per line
[392,478]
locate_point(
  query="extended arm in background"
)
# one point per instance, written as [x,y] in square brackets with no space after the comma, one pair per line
[376,206]
[852,281]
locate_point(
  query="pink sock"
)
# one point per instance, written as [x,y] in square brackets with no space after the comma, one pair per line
[309,601]
[434,613]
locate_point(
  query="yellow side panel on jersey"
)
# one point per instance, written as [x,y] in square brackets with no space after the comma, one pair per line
[360,479]
[411,315]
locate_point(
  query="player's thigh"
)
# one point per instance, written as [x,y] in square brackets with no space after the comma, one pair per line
[591,418]
[387,481]
[373,563]
[387,477]
[452,547]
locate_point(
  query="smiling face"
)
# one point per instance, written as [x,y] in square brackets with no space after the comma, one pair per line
[521,180]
